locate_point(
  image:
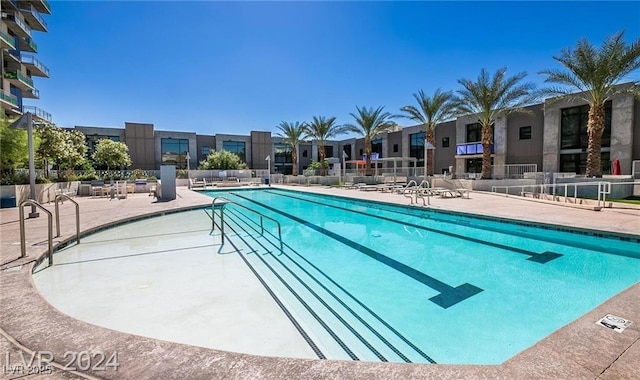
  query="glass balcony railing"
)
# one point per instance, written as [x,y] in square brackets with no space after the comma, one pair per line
[21,24]
[37,112]
[29,59]
[33,93]
[19,76]
[470,148]
[11,41]
[9,98]
[32,45]
[33,15]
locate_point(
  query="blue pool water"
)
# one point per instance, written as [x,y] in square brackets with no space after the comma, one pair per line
[372,281]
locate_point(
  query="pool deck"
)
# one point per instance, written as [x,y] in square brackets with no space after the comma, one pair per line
[29,324]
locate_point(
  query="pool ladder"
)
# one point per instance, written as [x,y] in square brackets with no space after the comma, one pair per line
[226,201]
[36,204]
[415,191]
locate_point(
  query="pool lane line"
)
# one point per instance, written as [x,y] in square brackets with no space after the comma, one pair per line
[448,296]
[335,336]
[336,298]
[540,258]
[353,298]
[286,312]
[322,301]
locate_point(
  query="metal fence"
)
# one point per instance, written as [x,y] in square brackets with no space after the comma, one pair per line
[512,171]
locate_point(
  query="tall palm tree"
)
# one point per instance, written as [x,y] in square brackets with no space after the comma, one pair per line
[322,129]
[370,123]
[431,111]
[293,133]
[489,98]
[594,72]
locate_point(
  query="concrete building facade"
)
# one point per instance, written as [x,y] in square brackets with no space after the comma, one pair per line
[19,24]
[551,135]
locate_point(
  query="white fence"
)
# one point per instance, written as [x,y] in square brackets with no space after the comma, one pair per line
[512,171]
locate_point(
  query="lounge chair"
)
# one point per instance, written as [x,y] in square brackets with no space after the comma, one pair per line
[195,184]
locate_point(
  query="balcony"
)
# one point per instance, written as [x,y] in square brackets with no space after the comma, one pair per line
[41,6]
[19,80]
[34,19]
[467,149]
[37,112]
[37,68]
[7,41]
[31,94]
[19,27]
[27,44]
[8,99]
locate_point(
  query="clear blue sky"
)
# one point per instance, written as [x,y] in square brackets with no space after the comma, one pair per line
[232,67]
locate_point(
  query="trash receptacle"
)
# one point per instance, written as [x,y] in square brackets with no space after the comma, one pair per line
[266,181]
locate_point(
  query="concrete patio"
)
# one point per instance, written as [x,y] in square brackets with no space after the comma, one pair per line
[28,323]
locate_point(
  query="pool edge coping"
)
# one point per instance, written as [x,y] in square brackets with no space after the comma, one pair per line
[267,366]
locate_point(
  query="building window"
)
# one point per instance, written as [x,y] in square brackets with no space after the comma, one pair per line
[205,151]
[445,142]
[304,153]
[346,149]
[474,132]
[328,151]
[416,147]
[237,147]
[376,147]
[174,152]
[573,127]
[395,148]
[525,133]
[283,162]
[577,163]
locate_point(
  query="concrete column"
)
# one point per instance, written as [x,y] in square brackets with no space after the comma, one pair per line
[551,138]
[314,150]
[622,131]
[500,141]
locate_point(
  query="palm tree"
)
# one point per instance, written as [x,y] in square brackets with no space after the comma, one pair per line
[431,111]
[489,98]
[322,129]
[370,123]
[293,133]
[594,72]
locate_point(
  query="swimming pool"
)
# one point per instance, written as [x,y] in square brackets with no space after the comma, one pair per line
[370,281]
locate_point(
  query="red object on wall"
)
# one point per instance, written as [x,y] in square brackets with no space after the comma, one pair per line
[616,167]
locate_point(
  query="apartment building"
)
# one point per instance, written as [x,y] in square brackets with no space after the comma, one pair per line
[20,24]
[551,135]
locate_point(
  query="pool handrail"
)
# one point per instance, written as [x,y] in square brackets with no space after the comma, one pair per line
[23,247]
[420,193]
[58,198]
[407,190]
[229,201]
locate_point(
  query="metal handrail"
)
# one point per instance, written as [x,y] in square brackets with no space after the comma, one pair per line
[23,247]
[407,190]
[59,197]
[421,194]
[229,201]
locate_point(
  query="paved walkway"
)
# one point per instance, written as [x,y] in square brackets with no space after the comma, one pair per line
[28,324]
